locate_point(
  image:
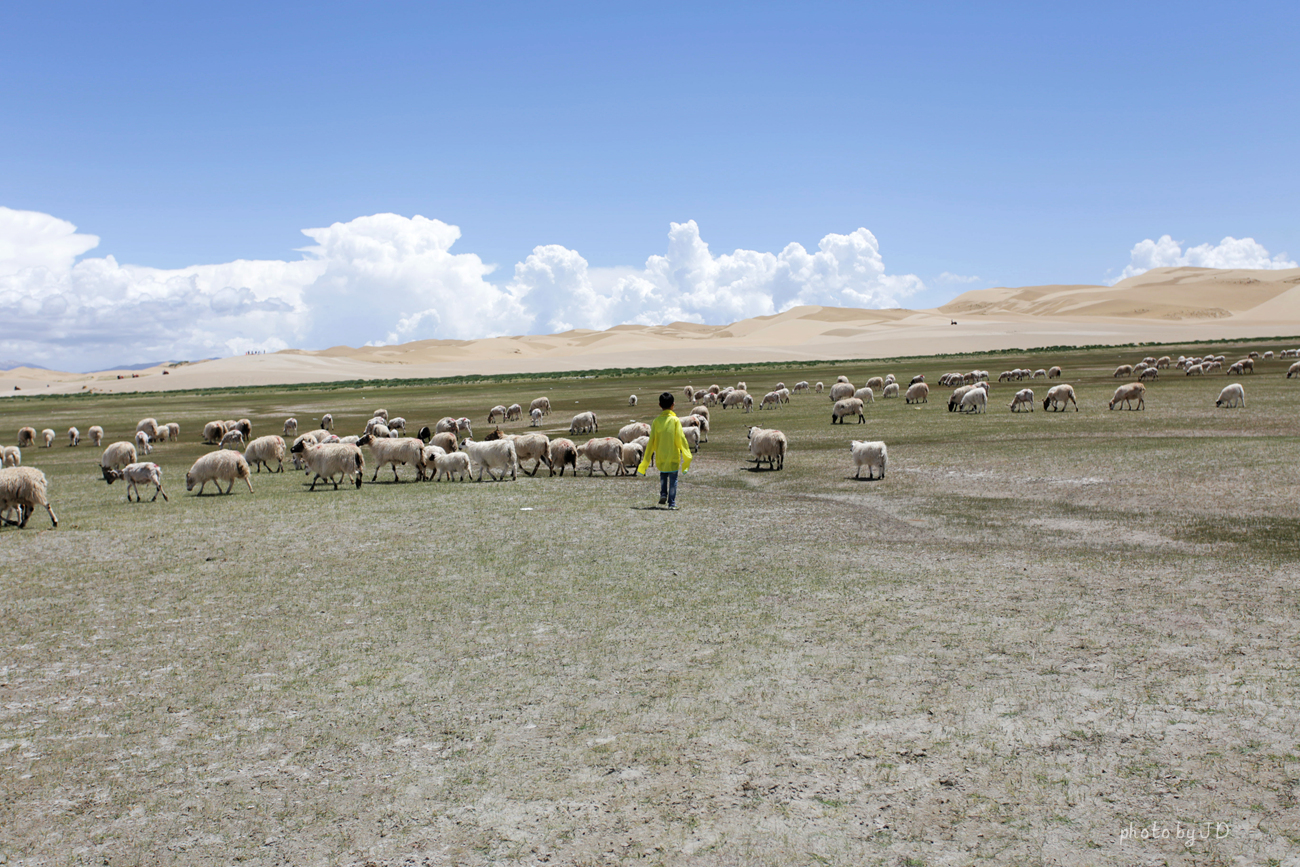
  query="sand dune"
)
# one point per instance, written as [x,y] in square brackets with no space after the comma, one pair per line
[1165,305]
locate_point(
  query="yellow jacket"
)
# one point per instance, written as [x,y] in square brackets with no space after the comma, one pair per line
[668,445]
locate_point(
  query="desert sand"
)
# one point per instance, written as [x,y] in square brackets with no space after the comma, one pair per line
[1166,305]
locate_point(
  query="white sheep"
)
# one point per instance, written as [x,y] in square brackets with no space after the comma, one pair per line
[74,437]
[891,391]
[1053,372]
[1150,374]
[96,434]
[47,437]
[117,455]
[12,456]
[1058,396]
[232,440]
[631,459]
[265,449]
[563,454]
[866,395]
[602,450]
[138,474]
[918,393]
[535,417]
[291,427]
[532,447]
[583,422]
[772,399]
[24,488]
[213,431]
[26,437]
[631,400]
[142,442]
[841,390]
[542,403]
[381,413]
[1232,396]
[495,455]
[431,456]
[767,444]
[1126,394]
[329,460]
[397,423]
[497,413]
[378,430]
[801,386]
[819,387]
[692,435]
[697,421]
[1023,398]
[149,426]
[327,422]
[629,432]
[220,466]
[391,452]
[514,412]
[846,408]
[453,464]
[736,398]
[700,411]
[872,455]
[975,400]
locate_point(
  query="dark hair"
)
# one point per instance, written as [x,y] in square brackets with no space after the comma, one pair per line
[666,400]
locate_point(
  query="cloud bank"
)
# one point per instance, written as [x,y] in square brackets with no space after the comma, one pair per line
[1228,253]
[386,278]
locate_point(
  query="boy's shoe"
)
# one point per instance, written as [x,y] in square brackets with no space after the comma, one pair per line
[663,501]
[673,507]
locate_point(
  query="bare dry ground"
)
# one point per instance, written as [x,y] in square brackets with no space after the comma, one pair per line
[1040,636]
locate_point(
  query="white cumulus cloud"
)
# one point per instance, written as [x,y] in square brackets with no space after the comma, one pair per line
[1228,253]
[386,278]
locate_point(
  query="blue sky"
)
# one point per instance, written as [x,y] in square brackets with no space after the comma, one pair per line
[1016,143]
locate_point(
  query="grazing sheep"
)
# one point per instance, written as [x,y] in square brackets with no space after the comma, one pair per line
[975,400]
[13,456]
[841,378]
[1199,369]
[265,449]
[1150,374]
[850,406]
[117,455]
[497,413]
[710,399]
[689,392]
[954,399]
[891,390]
[446,424]
[24,488]
[149,426]
[602,450]
[453,464]
[583,422]
[737,398]
[1232,396]
[876,382]
[700,411]
[542,403]
[291,427]
[47,437]
[1053,373]
[96,435]
[381,413]
[866,395]
[1058,396]
[74,437]
[769,445]
[391,452]
[919,393]
[378,430]
[1268,354]
[1023,398]
[514,412]
[216,467]
[213,431]
[173,432]
[327,422]
[463,427]
[1126,394]
[1293,370]
[801,386]
[1163,362]
[872,455]
[1247,365]
[629,432]
[26,437]
[397,424]
[374,422]
[1123,370]
[563,454]
[920,377]
[532,447]
[771,399]
[697,421]
[232,440]
[841,390]
[1253,354]
[631,400]
[631,457]
[785,394]
[819,387]
[1040,373]
[327,460]
[138,474]
[142,442]
[498,455]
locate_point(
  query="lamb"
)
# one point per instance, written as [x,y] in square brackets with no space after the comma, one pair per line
[232,440]
[26,437]
[327,422]
[891,390]
[872,455]
[291,427]
[13,456]
[850,406]
[453,464]
[387,451]
[542,403]
[1023,398]
[631,400]
[118,454]
[532,447]
[213,431]
[535,417]
[583,422]
[74,437]
[1053,373]
[737,398]
[142,442]
[496,413]
[629,432]
[1232,396]
[24,488]
[1126,394]
[841,390]
[327,461]
[767,444]
[919,393]
[1058,396]
[265,449]
[876,382]
[563,454]
[496,455]
[866,395]
[602,450]
[692,435]
[138,474]
[96,435]
[514,412]
[975,400]
[216,467]
[47,437]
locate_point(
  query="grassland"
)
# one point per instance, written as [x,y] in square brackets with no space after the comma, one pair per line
[1039,631]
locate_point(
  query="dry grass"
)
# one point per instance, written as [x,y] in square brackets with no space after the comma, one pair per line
[1037,631]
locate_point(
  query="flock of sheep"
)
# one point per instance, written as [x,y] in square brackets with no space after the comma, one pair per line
[448,450]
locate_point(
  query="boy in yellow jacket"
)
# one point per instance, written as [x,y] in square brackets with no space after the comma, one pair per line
[669,449]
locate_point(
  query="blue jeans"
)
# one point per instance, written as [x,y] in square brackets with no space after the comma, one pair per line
[668,487]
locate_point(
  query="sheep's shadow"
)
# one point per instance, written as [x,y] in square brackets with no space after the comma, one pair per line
[864,478]
[758,468]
